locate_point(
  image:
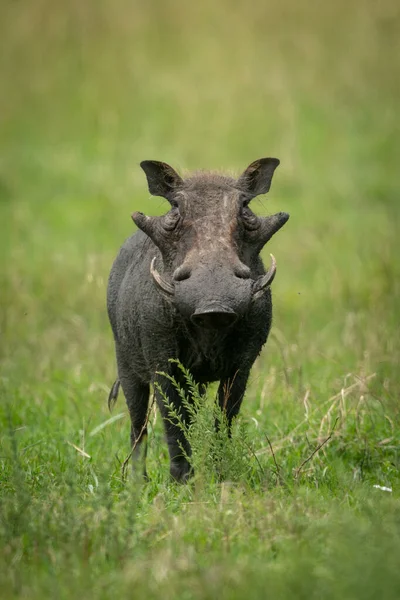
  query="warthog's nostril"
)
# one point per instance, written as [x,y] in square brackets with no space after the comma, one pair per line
[216,317]
[181,273]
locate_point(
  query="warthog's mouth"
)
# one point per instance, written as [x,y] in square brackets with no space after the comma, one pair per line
[214,316]
[260,285]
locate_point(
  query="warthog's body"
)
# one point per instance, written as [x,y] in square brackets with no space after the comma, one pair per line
[211,306]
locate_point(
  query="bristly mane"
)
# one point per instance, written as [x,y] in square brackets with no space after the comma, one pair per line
[201,179]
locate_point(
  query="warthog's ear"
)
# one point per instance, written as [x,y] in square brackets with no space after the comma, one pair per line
[161,178]
[258,176]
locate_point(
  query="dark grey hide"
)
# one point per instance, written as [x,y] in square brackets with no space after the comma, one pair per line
[190,285]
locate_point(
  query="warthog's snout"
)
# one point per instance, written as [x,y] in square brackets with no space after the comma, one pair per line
[214,316]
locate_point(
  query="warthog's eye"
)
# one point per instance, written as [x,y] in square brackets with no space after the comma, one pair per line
[249,219]
[171,219]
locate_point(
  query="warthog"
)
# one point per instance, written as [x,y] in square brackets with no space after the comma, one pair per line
[190,285]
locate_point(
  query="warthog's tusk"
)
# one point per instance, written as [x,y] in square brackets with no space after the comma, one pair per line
[263,282]
[166,288]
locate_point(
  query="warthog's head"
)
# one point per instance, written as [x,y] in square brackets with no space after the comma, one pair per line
[210,240]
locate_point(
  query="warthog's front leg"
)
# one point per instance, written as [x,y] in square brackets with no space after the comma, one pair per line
[170,402]
[230,394]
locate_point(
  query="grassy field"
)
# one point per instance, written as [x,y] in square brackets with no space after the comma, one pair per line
[88,91]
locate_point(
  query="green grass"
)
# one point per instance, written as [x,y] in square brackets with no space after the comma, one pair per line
[88,91]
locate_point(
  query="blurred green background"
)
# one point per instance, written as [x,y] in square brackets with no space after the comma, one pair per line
[91,89]
[88,90]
